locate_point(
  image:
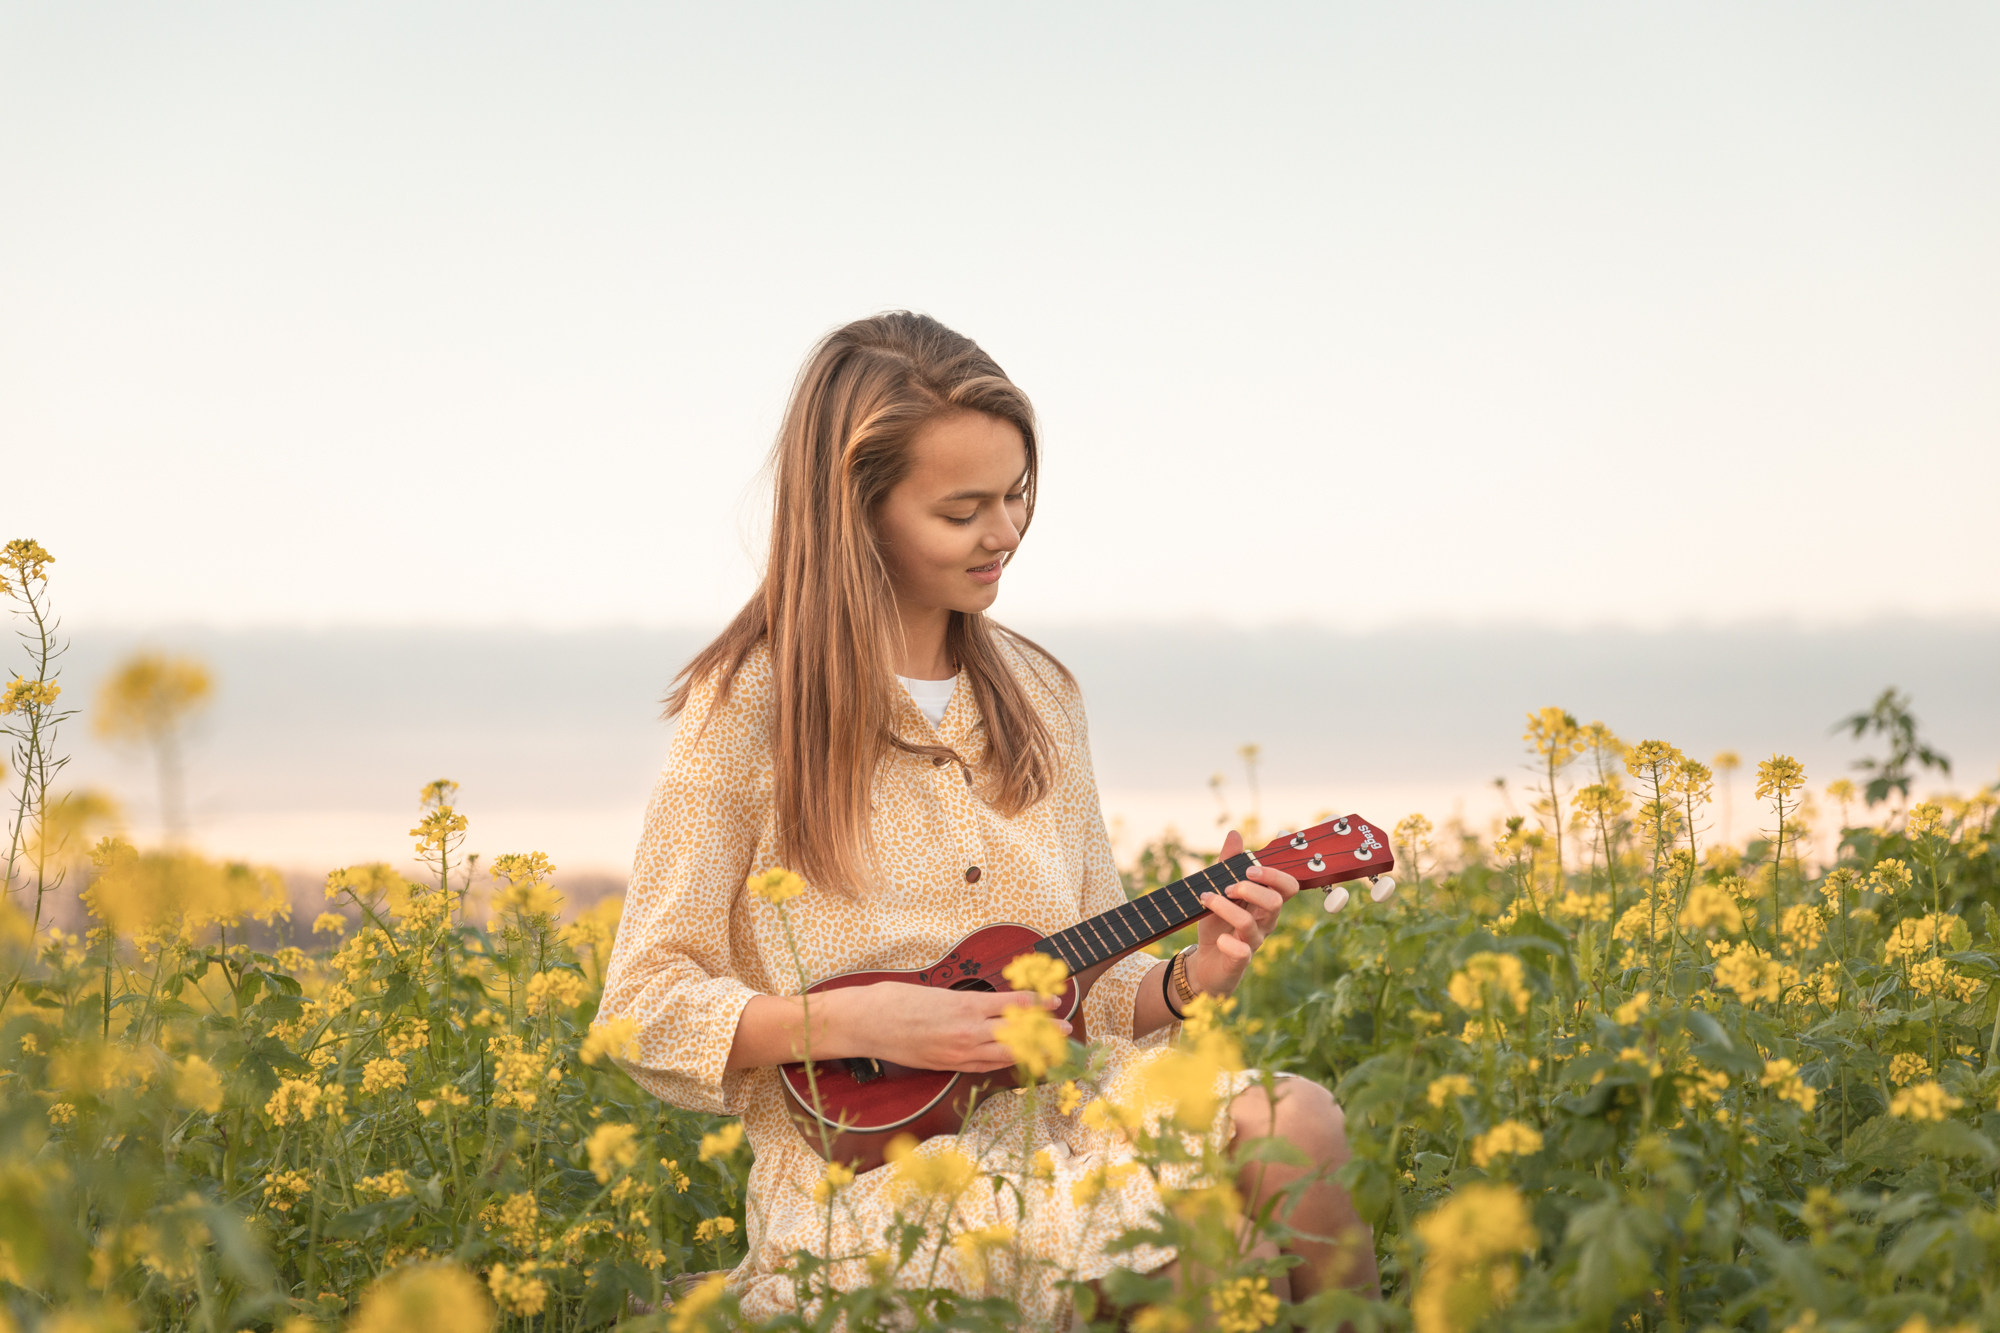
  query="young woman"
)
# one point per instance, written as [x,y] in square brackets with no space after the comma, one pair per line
[862,723]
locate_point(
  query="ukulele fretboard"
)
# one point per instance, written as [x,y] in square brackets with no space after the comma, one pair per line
[1145,919]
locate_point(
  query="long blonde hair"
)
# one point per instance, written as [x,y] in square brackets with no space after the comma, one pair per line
[826,606]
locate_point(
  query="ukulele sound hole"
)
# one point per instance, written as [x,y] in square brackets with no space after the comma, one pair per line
[970,983]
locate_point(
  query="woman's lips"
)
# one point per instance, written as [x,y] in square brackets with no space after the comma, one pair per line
[988,573]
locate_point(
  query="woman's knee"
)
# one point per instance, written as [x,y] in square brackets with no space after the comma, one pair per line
[1299,1111]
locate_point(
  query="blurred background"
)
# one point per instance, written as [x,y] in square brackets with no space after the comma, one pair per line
[1402,369]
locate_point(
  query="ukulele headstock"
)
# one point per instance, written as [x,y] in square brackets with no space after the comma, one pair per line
[1326,854]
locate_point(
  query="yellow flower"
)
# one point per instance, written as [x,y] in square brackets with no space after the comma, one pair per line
[1644,1059]
[197,1085]
[1779,776]
[22,695]
[1088,1189]
[1751,973]
[617,1038]
[447,1095]
[1445,1088]
[388,1185]
[1924,1101]
[1935,977]
[723,1142]
[776,885]
[690,1309]
[674,1174]
[380,1075]
[1890,876]
[836,1178]
[1508,1138]
[937,1172]
[1630,1011]
[1041,973]
[1031,1036]
[1908,1068]
[28,561]
[1068,1098]
[1783,1078]
[437,1298]
[298,1100]
[518,1217]
[1490,980]
[61,1113]
[1160,1319]
[554,990]
[1243,1305]
[148,697]
[1708,1086]
[611,1148]
[1916,1323]
[1914,937]
[709,1228]
[1803,926]
[282,1189]
[1925,817]
[526,894]
[973,1246]
[1464,1241]
[1653,760]
[517,1291]
[1711,905]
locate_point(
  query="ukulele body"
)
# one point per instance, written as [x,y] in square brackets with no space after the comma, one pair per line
[850,1110]
[864,1103]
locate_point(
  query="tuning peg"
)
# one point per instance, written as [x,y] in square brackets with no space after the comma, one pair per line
[1380,887]
[1336,898]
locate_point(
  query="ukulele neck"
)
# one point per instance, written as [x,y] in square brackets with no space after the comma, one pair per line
[1122,930]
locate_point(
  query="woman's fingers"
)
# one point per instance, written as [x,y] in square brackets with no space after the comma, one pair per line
[1285,885]
[1241,919]
[1257,895]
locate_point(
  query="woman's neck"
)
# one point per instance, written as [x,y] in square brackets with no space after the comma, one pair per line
[924,656]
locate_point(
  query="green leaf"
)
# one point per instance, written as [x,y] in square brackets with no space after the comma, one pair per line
[370,1218]
[1954,1138]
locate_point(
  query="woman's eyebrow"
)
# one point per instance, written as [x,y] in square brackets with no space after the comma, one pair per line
[981,495]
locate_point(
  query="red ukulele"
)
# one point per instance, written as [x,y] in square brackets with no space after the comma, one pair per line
[863,1103]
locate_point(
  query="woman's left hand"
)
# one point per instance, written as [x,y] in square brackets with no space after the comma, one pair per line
[1237,923]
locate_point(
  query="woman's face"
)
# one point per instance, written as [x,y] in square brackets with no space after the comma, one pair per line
[948,526]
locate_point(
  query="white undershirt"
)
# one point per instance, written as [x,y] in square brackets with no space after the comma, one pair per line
[932,696]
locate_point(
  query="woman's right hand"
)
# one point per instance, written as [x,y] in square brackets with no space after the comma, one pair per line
[926,1028]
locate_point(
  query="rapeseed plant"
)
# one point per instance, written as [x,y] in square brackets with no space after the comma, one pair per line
[1605,1073]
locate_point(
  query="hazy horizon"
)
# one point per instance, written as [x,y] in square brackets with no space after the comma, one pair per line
[318,741]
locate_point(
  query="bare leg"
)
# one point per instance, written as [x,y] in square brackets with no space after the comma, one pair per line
[1307,1117]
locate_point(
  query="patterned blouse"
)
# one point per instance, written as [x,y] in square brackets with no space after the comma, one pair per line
[694,946]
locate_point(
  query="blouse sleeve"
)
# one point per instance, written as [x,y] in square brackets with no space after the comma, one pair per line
[1107,1010]
[673,968]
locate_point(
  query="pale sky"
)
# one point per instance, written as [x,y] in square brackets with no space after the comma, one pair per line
[484,314]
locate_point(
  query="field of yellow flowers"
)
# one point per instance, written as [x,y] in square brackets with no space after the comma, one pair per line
[1601,1071]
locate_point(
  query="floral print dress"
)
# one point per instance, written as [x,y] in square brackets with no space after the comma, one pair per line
[694,945]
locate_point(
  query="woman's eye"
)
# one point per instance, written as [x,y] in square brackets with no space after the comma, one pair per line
[961,522]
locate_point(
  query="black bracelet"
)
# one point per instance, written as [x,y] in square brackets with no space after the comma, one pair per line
[1167,989]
